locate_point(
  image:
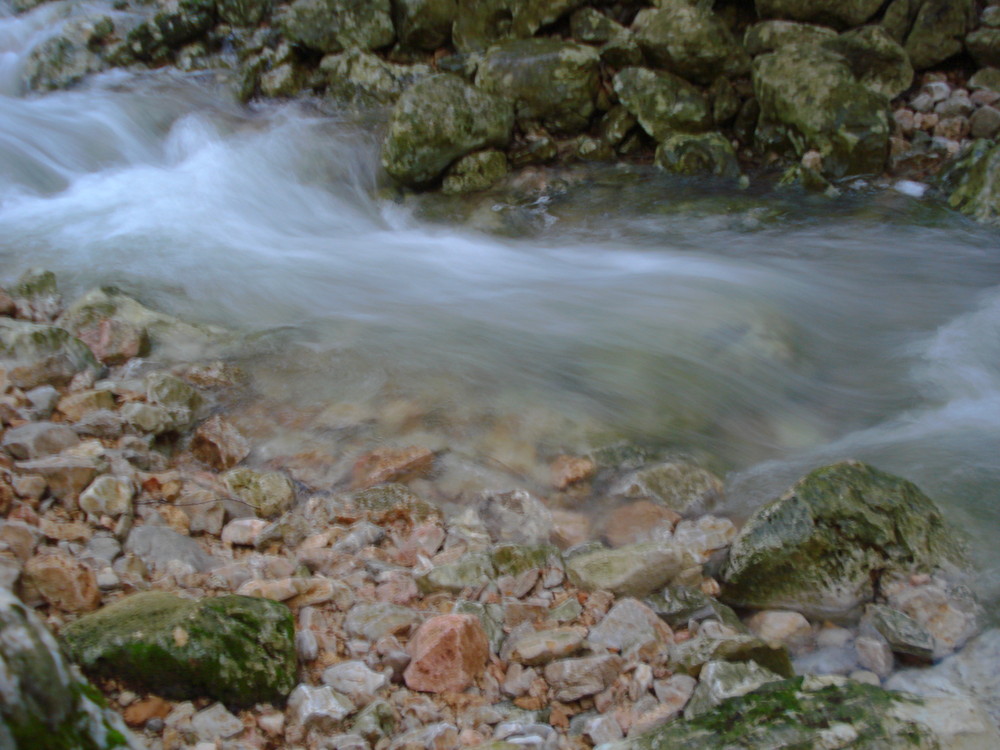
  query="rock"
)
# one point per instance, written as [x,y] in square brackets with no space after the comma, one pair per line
[391,465]
[517,517]
[790,629]
[874,655]
[876,60]
[720,680]
[147,419]
[663,103]
[170,29]
[438,120]
[219,444]
[949,613]
[214,723]
[74,406]
[698,154]
[448,653]
[375,721]
[46,704]
[724,644]
[335,25]
[680,605]
[62,582]
[984,46]
[691,41]
[233,649]
[35,354]
[107,496]
[572,679]
[633,570]
[817,549]
[641,521]
[631,626]
[268,493]
[937,31]
[593,27]
[767,36]
[829,12]
[65,476]
[970,181]
[139,713]
[355,680]
[244,12]
[986,79]
[553,84]
[320,708]
[903,634]
[487,22]
[373,621]
[362,79]
[700,539]
[389,501]
[473,570]
[243,531]
[681,486]
[542,646]
[436,736]
[36,439]
[157,546]
[474,172]
[65,59]
[424,24]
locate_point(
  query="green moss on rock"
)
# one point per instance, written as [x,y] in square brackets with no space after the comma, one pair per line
[973,182]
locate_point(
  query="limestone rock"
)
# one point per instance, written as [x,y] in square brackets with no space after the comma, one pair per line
[244,12]
[473,570]
[424,24]
[722,644]
[68,57]
[36,439]
[698,154]
[335,25]
[269,493]
[720,680]
[219,444]
[679,485]
[157,546]
[474,172]
[65,476]
[234,649]
[641,521]
[679,605]
[355,680]
[75,406]
[838,13]
[903,634]
[572,679]
[321,708]
[815,549]
[937,31]
[107,495]
[542,646]
[361,79]
[662,102]
[448,653]
[35,354]
[633,570]
[61,581]
[438,120]
[169,29]
[876,60]
[552,83]
[481,24]
[517,517]
[391,465]
[372,621]
[984,46]
[630,625]
[972,184]
[790,629]
[767,36]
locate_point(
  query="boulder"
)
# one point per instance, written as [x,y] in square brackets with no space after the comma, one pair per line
[820,548]
[662,102]
[698,154]
[336,25]
[691,41]
[235,649]
[361,79]
[46,704]
[268,493]
[876,60]
[838,13]
[811,95]
[486,22]
[936,31]
[424,24]
[35,354]
[767,36]
[438,120]
[474,172]
[552,83]
[971,182]
[984,46]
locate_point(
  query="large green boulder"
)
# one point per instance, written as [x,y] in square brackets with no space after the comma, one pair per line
[973,182]
[691,41]
[817,713]
[821,547]
[45,704]
[236,649]
[424,24]
[483,23]
[34,354]
[438,120]
[663,103]
[876,59]
[335,25]
[362,79]
[931,30]
[552,83]
[810,94]
[767,36]
[839,13]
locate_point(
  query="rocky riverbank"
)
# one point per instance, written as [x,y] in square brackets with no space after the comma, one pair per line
[798,92]
[221,600]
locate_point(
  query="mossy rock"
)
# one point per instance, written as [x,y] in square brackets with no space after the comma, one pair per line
[236,649]
[838,13]
[336,25]
[876,60]
[698,154]
[514,559]
[689,656]
[34,354]
[679,605]
[269,493]
[821,548]
[972,182]
[984,46]
[424,24]
[362,79]
[663,103]
[484,23]
[475,172]
[937,30]
[768,36]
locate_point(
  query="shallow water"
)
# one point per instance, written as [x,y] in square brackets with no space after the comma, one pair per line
[771,332]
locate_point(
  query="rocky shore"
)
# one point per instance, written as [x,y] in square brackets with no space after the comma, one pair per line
[795,92]
[217,600]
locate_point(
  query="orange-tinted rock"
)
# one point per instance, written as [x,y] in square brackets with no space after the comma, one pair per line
[447,653]
[219,444]
[569,528]
[567,470]
[153,707]
[634,522]
[391,465]
[62,582]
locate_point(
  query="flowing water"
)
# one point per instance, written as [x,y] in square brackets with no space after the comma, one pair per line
[770,332]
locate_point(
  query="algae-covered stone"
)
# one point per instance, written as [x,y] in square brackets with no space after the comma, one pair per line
[34,354]
[592,26]
[335,25]
[875,59]
[698,154]
[552,83]
[662,102]
[45,704]
[720,680]
[820,548]
[362,79]
[514,559]
[984,46]
[973,184]
[937,31]
[838,13]
[236,649]
[391,500]
[483,23]
[267,492]
[475,172]
[903,634]
[690,656]
[689,40]
[424,24]
[680,605]
[244,12]
[768,36]
[65,59]
[632,570]
[176,25]
[680,485]
[811,93]
[438,120]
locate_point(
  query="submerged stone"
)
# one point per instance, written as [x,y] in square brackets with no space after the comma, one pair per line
[235,649]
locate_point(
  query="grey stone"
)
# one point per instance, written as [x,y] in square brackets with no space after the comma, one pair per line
[632,570]
[372,621]
[36,439]
[355,680]
[720,680]
[157,546]
[985,122]
[321,708]
[903,634]
[517,517]
[34,354]
[630,625]
[214,723]
[572,679]
[268,493]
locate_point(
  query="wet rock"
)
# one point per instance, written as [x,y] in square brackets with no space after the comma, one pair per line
[487,22]
[219,444]
[389,501]
[720,680]
[630,626]
[268,493]
[543,646]
[970,184]
[681,486]
[244,12]
[391,465]
[569,528]
[355,680]
[436,736]
[65,476]
[107,496]
[36,296]
[321,708]
[936,31]
[474,172]
[158,546]
[375,721]
[147,419]
[46,704]
[67,58]
[448,653]
[473,570]
[948,612]
[61,581]
[243,531]
[723,644]
[34,354]
[572,679]
[553,84]
[424,24]
[767,36]
[641,521]
[593,27]
[234,649]
[984,46]
[74,406]
[875,59]
[790,629]
[850,13]
[903,634]
[663,103]
[698,154]
[517,517]
[36,439]
[633,570]
[335,25]
[784,556]
[874,654]
[362,79]
[373,621]
[691,41]
[438,120]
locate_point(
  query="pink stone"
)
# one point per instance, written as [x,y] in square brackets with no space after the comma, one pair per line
[219,444]
[447,653]
[62,582]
